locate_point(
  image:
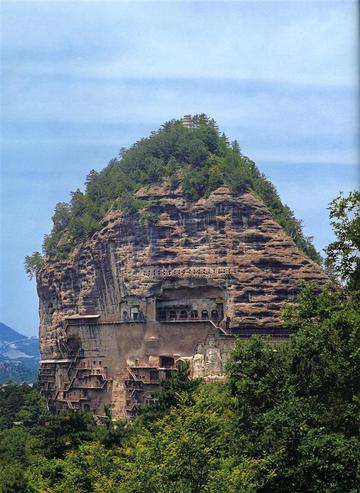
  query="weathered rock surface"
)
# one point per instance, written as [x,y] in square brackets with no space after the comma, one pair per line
[224,248]
[229,240]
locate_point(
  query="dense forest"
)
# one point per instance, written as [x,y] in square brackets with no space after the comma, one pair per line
[286,421]
[197,159]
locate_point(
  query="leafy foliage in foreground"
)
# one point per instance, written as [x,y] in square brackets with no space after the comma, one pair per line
[286,422]
[200,159]
[343,254]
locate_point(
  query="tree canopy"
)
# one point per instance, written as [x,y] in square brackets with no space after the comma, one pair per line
[343,254]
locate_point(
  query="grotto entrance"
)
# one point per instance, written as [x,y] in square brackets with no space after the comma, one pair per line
[190,304]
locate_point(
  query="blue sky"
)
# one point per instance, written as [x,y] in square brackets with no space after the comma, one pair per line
[82,79]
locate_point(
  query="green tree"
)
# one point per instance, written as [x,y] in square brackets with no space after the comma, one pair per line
[179,451]
[257,376]
[343,255]
[33,263]
[87,470]
[12,399]
[325,365]
[15,446]
[172,391]
[12,479]
[34,409]
[61,216]
[65,432]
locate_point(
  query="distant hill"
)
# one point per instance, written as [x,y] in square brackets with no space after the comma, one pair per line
[8,334]
[19,356]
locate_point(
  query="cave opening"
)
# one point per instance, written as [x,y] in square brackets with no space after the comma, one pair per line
[190,304]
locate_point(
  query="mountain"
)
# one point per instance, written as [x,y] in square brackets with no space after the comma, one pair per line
[190,154]
[8,334]
[172,251]
[19,356]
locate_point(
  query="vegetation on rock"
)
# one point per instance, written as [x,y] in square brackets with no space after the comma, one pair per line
[198,159]
[33,263]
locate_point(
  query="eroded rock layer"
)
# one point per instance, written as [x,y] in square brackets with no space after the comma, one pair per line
[137,297]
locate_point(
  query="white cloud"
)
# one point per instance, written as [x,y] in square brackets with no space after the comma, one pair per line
[282,74]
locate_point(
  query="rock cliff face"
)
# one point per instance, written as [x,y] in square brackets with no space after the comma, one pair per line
[219,267]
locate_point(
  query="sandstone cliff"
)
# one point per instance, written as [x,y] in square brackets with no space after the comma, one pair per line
[224,240]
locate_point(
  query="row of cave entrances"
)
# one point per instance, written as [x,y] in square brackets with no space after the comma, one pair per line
[174,314]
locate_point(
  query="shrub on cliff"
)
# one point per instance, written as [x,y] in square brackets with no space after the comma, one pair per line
[33,263]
